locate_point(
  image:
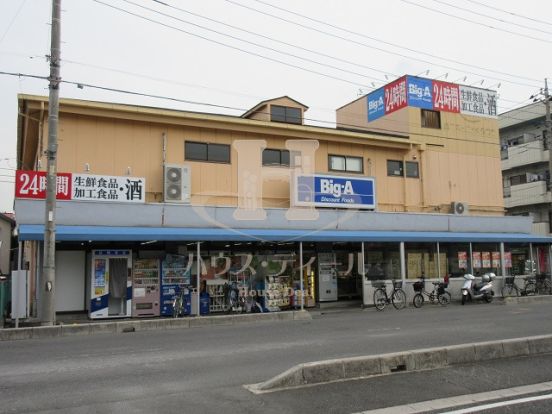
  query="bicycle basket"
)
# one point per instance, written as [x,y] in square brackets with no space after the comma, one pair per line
[418,286]
[441,288]
[397,284]
[509,280]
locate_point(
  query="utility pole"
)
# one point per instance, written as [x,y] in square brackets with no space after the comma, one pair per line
[49,269]
[548,127]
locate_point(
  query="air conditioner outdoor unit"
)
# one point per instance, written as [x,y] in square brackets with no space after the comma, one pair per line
[176,183]
[459,208]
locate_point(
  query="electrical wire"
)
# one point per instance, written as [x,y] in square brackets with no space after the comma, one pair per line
[491,17]
[253,43]
[387,131]
[231,46]
[276,40]
[475,22]
[510,13]
[13,20]
[384,42]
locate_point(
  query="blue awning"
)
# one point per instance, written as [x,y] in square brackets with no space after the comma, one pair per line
[107,233]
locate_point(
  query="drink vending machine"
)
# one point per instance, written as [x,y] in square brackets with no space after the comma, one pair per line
[175,276]
[145,294]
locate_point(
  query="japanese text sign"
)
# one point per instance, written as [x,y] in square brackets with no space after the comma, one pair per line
[82,187]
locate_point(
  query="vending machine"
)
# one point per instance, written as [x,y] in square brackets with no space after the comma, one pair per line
[175,275]
[327,277]
[111,284]
[145,288]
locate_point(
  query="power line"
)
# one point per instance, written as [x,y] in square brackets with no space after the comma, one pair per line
[492,17]
[476,23]
[381,41]
[276,40]
[253,43]
[232,47]
[509,12]
[13,20]
[356,127]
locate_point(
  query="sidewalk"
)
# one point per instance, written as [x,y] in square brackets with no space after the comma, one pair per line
[87,327]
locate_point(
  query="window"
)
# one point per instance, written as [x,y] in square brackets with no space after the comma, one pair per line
[285,114]
[431,119]
[412,169]
[518,179]
[395,168]
[345,163]
[200,151]
[276,157]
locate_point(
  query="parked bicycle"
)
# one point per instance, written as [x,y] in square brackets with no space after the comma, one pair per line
[397,297]
[511,289]
[543,284]
[438,294]
[178,303]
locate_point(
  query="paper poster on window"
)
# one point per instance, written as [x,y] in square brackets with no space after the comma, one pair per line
[99,273]
[486,259]
[508,259]
[462,260]
[496,259]
[476,260]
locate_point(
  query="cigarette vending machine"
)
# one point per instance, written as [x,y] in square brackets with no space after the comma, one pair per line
[327,277]
[145,288]
[175,275]
[111,284]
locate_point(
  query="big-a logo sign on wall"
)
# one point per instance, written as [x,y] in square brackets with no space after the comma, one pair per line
[334,191]
[430,94]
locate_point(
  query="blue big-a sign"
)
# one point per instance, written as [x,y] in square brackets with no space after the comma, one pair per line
[335,191]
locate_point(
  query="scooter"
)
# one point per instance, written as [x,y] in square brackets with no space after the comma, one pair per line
[483,290]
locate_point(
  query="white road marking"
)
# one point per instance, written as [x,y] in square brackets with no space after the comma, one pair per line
[460,400]
[500,404]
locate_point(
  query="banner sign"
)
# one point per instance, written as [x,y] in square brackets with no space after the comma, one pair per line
[463,260]
[477,102]
[476,260]
[486,258]
[82,187]
[496,259]
[376,108]
[395,95]
[420,92]
[508,259]
[334,191]
[431,94]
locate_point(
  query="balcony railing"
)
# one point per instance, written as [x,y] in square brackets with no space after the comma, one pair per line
[524,154]
[535,192]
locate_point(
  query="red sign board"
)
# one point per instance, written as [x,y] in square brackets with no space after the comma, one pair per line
[446,97]
[395,95]
[32,184]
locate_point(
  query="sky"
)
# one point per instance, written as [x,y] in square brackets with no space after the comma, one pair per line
[236,53]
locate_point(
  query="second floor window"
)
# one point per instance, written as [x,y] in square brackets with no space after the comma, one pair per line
[276,157]
[395,168]
[345,163]
[431,119]
[285,114]
[201,151]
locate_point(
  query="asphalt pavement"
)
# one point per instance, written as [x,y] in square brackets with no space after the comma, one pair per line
[204,369]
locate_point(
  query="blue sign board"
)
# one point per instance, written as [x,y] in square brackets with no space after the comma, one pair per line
[376,106]
[335,191]
[420,92]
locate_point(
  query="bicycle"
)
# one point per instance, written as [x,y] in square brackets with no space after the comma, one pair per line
[438,293]
[543,285]
[511,289]
[178,303]
[397,296]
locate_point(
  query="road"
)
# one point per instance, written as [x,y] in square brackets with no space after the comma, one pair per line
[203,369]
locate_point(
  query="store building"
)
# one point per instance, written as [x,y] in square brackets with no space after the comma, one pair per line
[525,165]
[272,206]
[7,225]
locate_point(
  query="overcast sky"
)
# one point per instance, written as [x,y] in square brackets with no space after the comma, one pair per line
[321,53]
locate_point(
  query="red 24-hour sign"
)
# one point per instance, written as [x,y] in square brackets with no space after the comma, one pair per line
[446,97]
[32,184]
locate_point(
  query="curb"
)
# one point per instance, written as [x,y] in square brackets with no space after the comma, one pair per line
[416,360]
[527,299]
[115,327]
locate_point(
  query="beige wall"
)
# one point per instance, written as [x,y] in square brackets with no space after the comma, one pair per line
[5,238]
[454,164]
